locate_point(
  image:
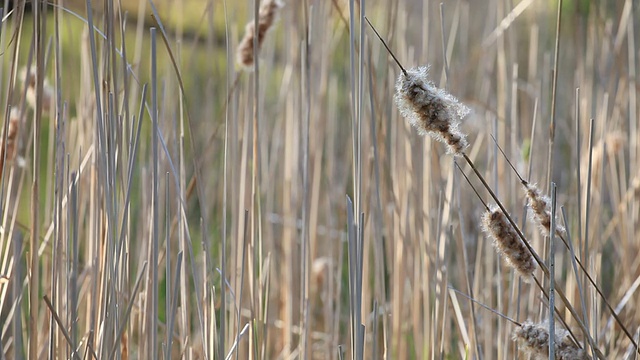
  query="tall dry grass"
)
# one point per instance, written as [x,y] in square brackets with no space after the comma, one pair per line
[161,201]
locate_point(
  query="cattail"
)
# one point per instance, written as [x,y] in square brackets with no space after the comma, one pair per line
[540,209]
[508,243]
[8,152]
[431,110]
[12,136]
[533,339]
[266,16]
[29,77]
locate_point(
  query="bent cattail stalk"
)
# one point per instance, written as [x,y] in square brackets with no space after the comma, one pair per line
[508,243]
[431,110]
[541,209]
[266,17]
[533,339]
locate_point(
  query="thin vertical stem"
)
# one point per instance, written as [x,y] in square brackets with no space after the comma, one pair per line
[552,273]
[552,126]
[223,251]
[153,326]
[444,46]
[39,27]
[585,256]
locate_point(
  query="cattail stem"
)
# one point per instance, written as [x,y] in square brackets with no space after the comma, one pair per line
[387,47]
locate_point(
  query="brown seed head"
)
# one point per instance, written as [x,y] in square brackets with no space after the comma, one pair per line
[12,136]
[540,209]
[29,77]
[508,243]
[431,110]
[8,151]
[266,17]
[533,339]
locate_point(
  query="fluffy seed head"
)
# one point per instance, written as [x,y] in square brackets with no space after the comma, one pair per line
[533,339]
[266,17]
[508,243]
[431,110]
[540,209]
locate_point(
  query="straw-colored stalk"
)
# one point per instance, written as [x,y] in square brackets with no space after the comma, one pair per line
[431,110]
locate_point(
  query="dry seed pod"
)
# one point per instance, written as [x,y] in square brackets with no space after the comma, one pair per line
[541,209]
[431,110]
[8,152]
[266,17]
[12,136]
[29,76]
[533,339]
[508,243]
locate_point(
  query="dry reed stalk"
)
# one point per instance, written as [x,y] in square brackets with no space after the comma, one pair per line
[431,110]
[266,17]
[606,149]
[508,243]
[533,340]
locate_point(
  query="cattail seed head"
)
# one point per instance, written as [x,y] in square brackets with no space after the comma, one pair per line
[29,77]
[508,243]
[9,150]
[533,339]
[13,129]
[431,110]
[266,17]
[540,209]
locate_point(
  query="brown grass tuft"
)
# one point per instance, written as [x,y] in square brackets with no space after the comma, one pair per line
[431,110]
[266,17]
